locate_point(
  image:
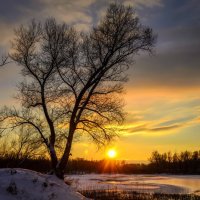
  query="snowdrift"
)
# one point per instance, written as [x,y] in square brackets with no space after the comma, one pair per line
[29,185]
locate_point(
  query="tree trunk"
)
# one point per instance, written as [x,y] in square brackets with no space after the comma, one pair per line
[60,169]
[54,159]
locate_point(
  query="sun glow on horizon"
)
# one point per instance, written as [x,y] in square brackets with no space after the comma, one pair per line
[111,153]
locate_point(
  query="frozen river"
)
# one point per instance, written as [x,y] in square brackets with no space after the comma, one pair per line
[141,183]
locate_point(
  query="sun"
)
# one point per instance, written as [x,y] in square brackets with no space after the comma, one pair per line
[111,153]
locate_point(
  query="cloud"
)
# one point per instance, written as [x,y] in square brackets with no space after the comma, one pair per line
[176,59]
[150,128]
[14,13]
[166,128]
[146,128]
[175,63]
[168,116]
[6,34]
[141,3]
[69,11]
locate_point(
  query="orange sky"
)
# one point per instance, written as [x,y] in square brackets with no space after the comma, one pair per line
[160,119]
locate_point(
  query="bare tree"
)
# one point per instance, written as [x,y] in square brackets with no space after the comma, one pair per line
[22,146]
[76,79]
[96,81]
[39,49]
[4,61]
[23,127]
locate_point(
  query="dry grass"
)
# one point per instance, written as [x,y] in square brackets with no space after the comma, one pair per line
[132,195]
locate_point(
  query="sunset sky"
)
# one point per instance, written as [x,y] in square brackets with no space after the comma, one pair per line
[163,93]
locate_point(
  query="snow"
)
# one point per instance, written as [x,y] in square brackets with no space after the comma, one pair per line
[140,183]
[29,185]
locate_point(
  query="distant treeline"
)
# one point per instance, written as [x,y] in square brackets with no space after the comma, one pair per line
[174,163]
[38,164]
[185,162]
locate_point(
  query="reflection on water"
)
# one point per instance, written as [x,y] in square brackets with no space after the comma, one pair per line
[140,183]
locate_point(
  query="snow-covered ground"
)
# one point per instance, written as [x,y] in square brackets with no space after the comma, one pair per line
[24,184]
[141,183]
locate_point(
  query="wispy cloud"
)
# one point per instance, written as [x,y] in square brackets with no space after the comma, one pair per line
[69,11]
[149,3]
[150,128]
[169,117]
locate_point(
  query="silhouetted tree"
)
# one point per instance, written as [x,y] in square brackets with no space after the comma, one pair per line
[39,49]
[4,61]
[21,145]
[94,83]
[75,79]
